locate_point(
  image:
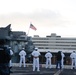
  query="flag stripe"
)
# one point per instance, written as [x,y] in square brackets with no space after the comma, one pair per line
[32,27]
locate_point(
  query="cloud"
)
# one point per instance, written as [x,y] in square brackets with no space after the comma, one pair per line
[47,17]
[42,19]
[43,16]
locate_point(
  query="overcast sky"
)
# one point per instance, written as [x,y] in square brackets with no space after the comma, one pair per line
[48,16]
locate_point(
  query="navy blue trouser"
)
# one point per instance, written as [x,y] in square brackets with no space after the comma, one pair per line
[58,63]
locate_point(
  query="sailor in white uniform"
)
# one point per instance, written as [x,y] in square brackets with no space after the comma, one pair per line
[36,55]
[11,53]
[73,60]
[62,61]
[22,54]
[48,56]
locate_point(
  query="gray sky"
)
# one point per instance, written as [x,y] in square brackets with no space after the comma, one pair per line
[48,16]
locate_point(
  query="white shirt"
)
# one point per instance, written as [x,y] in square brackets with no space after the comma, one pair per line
[73,55]
[22,53]
[62,54]
[48,54]
[11,52]
[35,53]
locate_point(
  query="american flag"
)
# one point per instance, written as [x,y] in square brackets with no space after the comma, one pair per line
[33,27]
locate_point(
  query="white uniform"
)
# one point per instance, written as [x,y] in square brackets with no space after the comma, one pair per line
[62,61]
[11,53]
[35,55]
[22,57]
[73,58]
[48,56]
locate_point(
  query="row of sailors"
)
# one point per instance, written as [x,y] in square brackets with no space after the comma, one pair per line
[48,57]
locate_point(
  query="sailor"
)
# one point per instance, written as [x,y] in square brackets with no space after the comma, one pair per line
[73,60]
[36,55]
[11,53]
[22,54]
[59,58]
[10,62]
[48,57]
[62,61]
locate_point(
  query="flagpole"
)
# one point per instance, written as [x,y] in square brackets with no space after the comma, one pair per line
[28,30]
[32,27]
